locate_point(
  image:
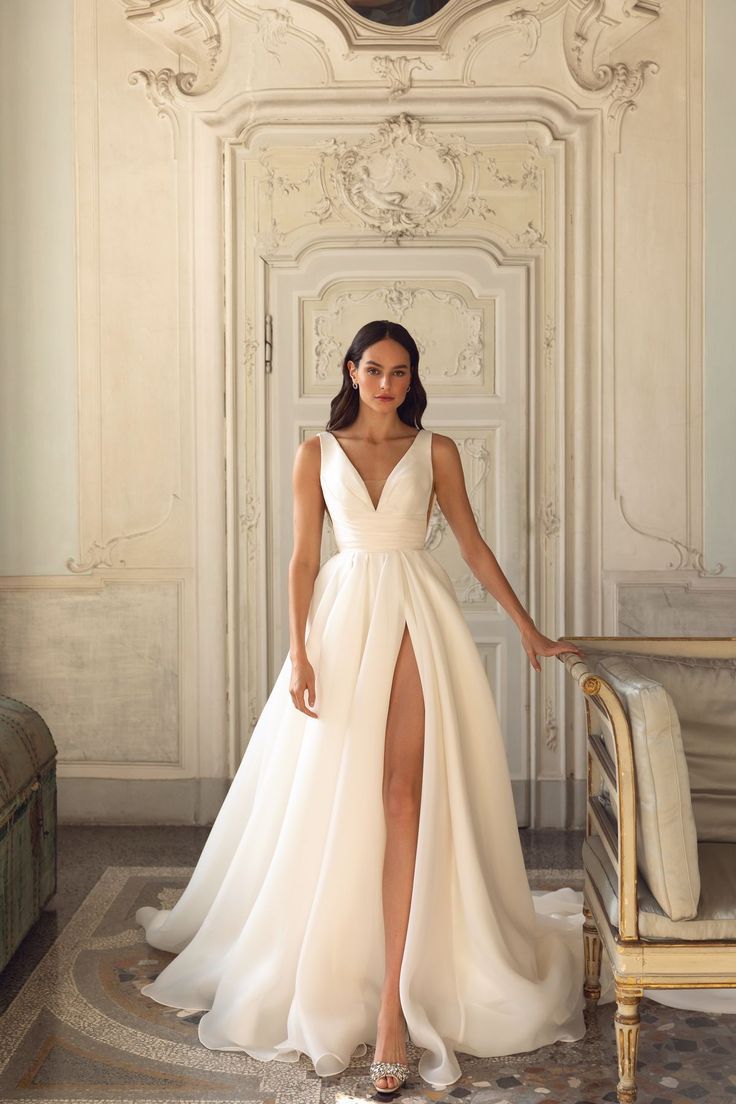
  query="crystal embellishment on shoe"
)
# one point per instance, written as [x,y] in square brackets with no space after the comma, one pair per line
[389,1069]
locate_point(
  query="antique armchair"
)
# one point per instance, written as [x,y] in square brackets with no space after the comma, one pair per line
[659,856]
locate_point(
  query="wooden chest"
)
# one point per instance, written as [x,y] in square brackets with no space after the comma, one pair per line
[27,821]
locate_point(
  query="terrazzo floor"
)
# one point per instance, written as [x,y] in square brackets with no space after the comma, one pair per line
[75,1027]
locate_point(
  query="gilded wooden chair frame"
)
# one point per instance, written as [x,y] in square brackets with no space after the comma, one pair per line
[637,964]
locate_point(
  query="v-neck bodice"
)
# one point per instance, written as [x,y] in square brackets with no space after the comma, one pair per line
[399,520]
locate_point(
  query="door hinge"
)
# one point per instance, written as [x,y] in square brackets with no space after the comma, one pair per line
[268,343]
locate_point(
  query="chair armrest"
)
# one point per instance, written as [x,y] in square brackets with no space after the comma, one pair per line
[604,709]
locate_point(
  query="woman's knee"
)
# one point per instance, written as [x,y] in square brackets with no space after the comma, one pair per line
[402,797]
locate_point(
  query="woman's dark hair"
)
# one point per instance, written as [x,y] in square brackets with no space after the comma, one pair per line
[346,403]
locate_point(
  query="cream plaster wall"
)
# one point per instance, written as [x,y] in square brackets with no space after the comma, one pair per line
[38,369]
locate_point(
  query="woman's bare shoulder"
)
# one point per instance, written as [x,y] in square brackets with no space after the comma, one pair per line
[444,448]
[307,455]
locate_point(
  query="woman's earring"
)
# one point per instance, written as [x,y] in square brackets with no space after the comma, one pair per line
[354,383]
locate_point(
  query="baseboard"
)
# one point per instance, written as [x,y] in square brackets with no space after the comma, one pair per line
[140,801]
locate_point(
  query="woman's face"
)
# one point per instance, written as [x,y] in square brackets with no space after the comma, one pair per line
[383,374]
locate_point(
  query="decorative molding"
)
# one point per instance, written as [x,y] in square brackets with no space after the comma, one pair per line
[158,89]
[627,84]
[327,349]
[530,238]
[271,239]
[551,727]
[272,27]
[398,298]
[250,350]
[436,529]
[689,558]
[185,27]
[401,181]
[469,589]
[100,555]
[276,182]
[549,519]
[249,519]
[529,25]
[550,338]
[398,71]
[593,29]
[524,23]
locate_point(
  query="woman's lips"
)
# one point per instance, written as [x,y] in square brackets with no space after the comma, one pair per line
[385,398]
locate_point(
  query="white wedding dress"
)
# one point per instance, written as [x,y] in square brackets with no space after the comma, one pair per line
[279,932]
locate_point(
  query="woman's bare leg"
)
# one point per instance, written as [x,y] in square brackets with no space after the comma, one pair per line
[402,787]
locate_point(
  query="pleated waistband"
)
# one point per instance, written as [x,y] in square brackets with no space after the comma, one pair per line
[382,534]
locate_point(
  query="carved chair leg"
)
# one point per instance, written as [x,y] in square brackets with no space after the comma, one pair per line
[593,948]
[627,1040]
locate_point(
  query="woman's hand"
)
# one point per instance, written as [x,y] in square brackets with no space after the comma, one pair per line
[537,644]
[302,678]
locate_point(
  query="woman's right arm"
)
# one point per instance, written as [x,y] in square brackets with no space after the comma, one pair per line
[309,510]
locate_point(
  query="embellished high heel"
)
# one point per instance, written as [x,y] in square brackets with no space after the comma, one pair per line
[397,1070]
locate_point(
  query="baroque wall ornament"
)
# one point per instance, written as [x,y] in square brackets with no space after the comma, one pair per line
[100,554]
[551,727]
[592,29]
[549,519]
[250,518]
[689,559]
[402,181]
[398,299]
[159,90]
[530,26]
[530,238]
[250,350]
[272,27]
[192,28]
[397,71]
[327,349]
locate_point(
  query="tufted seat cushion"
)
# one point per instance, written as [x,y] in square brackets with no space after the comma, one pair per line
[667,845]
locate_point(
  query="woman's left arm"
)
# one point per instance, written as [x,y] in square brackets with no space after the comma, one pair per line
[452,497]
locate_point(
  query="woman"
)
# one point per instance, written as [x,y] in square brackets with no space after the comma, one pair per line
[382,367]
[364,874]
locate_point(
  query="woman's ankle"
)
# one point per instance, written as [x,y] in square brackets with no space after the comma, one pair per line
[390,1010]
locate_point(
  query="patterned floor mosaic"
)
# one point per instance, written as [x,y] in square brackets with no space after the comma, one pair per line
[79,1030]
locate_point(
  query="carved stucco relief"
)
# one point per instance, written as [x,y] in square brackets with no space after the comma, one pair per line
[591,29]
[688,558]
[475,454]
[458,354]
[200,31]
[100,553]
[398,71]
[404,180]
